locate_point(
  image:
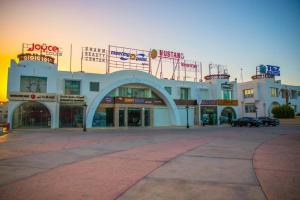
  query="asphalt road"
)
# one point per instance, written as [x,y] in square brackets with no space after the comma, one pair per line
[159,163]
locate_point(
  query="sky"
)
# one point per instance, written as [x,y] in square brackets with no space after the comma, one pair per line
[235,33]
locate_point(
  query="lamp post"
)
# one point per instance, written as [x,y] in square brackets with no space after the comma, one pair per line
[84,117]
[255,112]
[187,117]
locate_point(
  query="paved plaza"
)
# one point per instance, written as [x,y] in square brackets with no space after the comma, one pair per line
[158,163]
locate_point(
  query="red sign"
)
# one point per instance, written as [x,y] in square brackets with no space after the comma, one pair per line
[170,54]
[209,102]
[43,58]
[43,48]
[189,65]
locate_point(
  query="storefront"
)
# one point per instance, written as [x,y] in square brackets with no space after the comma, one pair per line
[227,115]
[126,112]
[71,111]
[218,111]
[31,110]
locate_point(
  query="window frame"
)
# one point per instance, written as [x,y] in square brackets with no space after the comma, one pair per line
[98,86]
[65,80]
[33,78]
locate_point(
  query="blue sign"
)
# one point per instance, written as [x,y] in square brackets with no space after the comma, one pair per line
[273,70]
[131,56]
[269,69]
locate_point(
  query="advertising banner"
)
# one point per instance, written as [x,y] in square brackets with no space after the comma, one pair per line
[94,54]
[28,96]
[128,58]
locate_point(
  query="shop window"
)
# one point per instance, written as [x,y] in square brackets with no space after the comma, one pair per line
[184,93]
[104,117]
[72,87]
[293,94]
[169,90]
[135,92]
[70,116]
[94,86]
[250,108]
[248,93]
[274,92]
[122,117]
[284,93]
[31,115]
[33,84]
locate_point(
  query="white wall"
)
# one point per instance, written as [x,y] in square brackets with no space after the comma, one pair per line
[161,116]
[182,114]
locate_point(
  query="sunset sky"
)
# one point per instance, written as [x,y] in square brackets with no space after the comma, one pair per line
[235,33]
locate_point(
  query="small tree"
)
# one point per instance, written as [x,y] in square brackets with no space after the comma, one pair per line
[283,111]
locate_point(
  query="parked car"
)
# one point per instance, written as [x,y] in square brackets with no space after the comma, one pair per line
[246,121]
[269,121]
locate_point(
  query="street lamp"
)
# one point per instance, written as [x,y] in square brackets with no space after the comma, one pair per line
[84,117]
[187,117]
[255,112]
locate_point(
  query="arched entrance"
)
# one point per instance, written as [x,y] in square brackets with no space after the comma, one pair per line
[120,78]
[131,105]
[227,115]
[31,114]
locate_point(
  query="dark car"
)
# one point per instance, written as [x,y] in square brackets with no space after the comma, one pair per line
[246,121]
[269,121]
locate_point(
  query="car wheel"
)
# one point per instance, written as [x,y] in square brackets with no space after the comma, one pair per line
[267,124]
[249,124]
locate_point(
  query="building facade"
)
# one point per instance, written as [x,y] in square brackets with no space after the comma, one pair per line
[260,95]
[41,96]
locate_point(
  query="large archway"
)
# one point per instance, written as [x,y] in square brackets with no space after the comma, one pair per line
[31,114]
[227,115]
[120,78]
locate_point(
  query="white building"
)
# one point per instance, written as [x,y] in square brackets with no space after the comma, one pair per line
[264,93]
[41,96]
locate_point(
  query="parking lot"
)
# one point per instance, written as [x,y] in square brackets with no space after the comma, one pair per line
[160,163]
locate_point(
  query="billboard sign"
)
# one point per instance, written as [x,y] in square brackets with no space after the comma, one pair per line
[226,86]
[93,54]
[273,70]
[166,54]
[29,56]
[28,96]
[128,58]
[49,50]
[269,69]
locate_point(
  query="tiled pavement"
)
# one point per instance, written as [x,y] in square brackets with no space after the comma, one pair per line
[199,163]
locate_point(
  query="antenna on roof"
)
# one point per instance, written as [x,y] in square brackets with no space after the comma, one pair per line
[242,79]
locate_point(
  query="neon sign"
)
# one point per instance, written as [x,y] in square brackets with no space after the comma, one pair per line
[42,48]
[189,65]
[167,54]
[269,69]
[43,58]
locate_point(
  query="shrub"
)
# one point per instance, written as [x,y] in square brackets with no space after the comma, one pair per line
[298,114]
[283,111]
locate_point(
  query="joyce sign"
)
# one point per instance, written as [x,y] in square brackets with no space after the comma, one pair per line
[44,48]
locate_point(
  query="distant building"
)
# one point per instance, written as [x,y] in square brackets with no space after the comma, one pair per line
[40,96]
[264,93]
[3,112]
